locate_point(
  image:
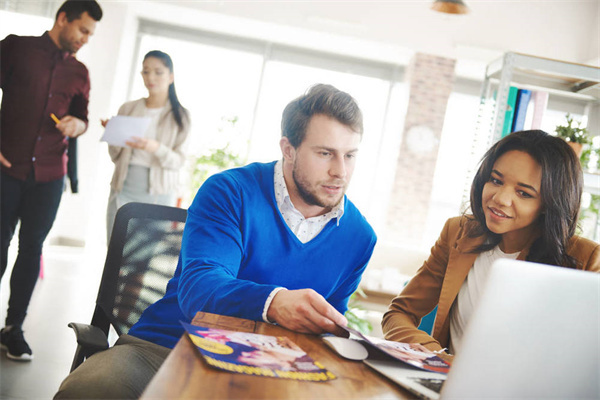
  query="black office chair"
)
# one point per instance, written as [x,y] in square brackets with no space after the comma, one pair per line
[141,258]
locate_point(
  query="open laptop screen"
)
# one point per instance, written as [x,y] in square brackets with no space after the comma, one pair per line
[534,334]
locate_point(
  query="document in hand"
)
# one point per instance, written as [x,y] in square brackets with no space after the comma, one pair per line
[256,354]
[122,128]
[425,360]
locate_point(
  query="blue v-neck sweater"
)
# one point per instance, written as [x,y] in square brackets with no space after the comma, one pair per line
[237,248]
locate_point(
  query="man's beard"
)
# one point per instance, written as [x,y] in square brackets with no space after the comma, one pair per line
[310,196]
[67,45]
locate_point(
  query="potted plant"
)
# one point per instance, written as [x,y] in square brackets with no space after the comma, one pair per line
[575,136]
[355,312]
[590,157]
[217,158]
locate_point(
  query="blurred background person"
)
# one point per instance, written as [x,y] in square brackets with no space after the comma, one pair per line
[147,170]
[44,107]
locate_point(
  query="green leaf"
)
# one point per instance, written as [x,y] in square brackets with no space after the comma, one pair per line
[573,134]
[354,321]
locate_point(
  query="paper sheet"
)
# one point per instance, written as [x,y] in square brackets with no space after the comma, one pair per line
[121,129]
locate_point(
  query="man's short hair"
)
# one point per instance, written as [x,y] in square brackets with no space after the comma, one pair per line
[319,99]
[74,8]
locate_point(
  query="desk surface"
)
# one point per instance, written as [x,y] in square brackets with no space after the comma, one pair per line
[185,375]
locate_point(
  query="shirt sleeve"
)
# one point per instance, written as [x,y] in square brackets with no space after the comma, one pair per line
[419,297]
[174,157]
[212,252]
[79,103]
[268,303]
[6,48]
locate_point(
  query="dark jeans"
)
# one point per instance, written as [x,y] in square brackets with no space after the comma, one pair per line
[35,204]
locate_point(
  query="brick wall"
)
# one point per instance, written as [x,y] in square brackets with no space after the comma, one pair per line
[431,79]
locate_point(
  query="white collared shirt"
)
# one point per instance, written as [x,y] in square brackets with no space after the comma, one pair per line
[305,229]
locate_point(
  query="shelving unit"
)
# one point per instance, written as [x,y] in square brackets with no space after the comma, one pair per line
[558,77]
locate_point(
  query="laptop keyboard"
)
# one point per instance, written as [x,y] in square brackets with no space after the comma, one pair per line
[431,384]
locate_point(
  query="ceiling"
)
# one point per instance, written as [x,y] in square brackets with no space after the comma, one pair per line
[564,29]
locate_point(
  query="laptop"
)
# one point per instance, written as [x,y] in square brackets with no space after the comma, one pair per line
[534,334]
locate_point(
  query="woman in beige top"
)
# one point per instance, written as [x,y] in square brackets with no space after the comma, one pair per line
[147,170]
[525,200]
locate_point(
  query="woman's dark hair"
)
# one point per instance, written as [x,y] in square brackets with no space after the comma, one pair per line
[319,99]
[74,8]
[178,110]
[561,188]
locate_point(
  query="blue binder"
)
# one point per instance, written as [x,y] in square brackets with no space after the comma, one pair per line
[510,111]
[523,98]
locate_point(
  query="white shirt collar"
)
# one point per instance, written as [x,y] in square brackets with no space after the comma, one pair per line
[304,228]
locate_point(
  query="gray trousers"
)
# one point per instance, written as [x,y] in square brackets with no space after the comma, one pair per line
[135,188]
[121,372]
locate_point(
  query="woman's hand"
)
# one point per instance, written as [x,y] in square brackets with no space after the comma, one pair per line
[149,145]
[420,347]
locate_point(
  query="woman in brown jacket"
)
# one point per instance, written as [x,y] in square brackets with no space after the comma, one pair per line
[525,200]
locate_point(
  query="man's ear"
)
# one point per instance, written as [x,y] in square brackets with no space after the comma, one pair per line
[287,150]
[61,19]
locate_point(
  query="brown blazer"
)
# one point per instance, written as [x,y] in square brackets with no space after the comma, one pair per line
[440,278]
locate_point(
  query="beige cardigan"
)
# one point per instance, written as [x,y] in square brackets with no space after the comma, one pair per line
[168,159]
[440,278]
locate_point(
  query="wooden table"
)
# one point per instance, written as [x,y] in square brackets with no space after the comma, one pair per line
[185,375]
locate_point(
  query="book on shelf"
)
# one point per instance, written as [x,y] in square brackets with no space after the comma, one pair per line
[510,111]
[255,354]
[521,106]
[540,102]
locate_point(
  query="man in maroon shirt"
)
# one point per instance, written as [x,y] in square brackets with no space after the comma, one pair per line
[39,76]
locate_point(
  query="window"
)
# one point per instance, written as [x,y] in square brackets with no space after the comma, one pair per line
[285,81]
[450,172]
[211,82]
[220,77]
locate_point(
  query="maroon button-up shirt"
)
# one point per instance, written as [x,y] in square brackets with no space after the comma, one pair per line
[37,79]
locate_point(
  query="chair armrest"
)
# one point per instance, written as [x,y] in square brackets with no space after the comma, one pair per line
[90,337]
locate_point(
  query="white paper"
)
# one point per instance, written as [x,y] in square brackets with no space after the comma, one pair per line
[121,129]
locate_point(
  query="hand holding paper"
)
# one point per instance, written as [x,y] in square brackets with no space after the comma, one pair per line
[122,129]
[150,145]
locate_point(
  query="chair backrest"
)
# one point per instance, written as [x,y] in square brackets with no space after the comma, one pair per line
[142,256]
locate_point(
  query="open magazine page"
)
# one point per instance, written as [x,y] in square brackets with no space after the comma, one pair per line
[255,354]
[427,360]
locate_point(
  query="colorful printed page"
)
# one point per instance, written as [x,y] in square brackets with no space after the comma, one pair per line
[255,354]
[415,355]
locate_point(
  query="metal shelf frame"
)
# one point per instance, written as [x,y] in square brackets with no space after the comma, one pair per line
[557,77]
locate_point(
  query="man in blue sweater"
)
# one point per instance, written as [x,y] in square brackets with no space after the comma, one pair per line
[277,242]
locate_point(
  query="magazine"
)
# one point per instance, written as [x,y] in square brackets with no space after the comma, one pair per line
[415,355]
[256,354]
